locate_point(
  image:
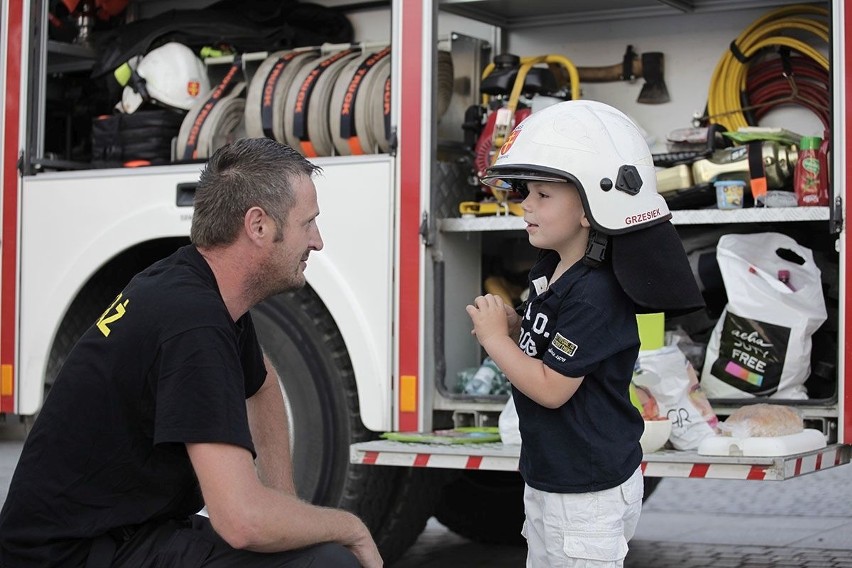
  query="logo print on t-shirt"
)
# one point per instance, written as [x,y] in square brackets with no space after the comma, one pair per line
[104,320]
[564,344]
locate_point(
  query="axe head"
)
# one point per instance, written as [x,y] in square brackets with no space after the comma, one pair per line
[654,90]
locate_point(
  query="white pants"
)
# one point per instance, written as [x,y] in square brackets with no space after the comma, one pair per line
[575,530]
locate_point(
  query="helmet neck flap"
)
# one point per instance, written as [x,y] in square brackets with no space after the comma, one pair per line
[604,154]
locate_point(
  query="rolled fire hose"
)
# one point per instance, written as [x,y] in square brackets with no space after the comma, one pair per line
[319,111]
[769,85]
[376,107]
[350,131]
[267,92]
[372,106]
[214,120]
[224,124]
[306,120]
[728,96]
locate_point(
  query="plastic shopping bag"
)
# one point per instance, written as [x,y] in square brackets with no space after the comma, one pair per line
[761,345]
[670,378]
[510,432]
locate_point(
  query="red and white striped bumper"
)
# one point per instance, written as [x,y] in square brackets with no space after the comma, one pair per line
[666,463]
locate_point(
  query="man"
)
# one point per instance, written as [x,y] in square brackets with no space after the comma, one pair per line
[169,393]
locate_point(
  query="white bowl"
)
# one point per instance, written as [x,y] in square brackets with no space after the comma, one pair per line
[656,434]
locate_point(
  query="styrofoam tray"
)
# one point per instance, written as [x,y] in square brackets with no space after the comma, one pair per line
[806,440]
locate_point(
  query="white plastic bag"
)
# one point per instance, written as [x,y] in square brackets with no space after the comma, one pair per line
[510,432]
[670,378]
[761,345]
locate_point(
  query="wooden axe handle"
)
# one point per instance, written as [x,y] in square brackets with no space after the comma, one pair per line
[609,73]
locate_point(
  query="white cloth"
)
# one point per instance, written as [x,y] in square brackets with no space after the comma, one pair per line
[582,530]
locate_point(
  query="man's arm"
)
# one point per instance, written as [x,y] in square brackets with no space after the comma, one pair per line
[249,515]
[270,432]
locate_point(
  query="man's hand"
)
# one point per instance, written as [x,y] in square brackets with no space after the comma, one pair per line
[364,548]
[251,516]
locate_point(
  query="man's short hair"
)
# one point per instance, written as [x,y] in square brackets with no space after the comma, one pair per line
[249,172]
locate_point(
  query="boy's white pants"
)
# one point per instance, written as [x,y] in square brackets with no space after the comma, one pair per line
[574,530]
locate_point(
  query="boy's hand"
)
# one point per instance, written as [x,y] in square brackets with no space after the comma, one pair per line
[514,322]
[490,318]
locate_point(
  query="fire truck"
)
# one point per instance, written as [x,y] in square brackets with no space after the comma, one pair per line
[377,340]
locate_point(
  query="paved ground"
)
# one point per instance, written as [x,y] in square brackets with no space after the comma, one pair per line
[697,523]
[686,523]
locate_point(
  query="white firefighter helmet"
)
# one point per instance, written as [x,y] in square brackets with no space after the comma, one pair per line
[603,153]
[171,75]
[594,146]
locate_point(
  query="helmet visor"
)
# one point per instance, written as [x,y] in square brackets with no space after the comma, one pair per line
[505,179]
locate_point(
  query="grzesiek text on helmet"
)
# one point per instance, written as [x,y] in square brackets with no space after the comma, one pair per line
[646,216]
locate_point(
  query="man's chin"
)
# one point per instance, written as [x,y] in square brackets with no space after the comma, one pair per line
[293,284]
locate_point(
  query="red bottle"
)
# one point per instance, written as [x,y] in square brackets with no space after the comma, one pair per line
[806,178]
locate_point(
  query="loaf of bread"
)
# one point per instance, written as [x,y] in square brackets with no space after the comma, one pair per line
[762,420]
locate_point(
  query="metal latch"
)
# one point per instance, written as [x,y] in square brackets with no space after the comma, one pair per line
[835,221]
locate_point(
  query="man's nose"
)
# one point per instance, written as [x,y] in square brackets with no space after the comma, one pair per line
[316,242]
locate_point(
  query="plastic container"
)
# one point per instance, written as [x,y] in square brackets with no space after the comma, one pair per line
[780,198]
[806,179]
[485,378]
[729,194]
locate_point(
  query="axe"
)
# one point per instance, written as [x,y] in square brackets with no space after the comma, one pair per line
[649,67]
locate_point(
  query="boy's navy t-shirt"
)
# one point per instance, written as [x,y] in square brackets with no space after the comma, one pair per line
[582,325]
[164,365]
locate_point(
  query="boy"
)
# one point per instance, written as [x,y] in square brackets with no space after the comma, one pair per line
[608,251]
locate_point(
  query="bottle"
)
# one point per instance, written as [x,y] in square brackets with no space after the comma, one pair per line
[732,163]
[85,22]
[484,378]
[806,179]
[784,276]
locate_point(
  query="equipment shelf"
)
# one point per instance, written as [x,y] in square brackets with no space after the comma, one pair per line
[664,463]
[679,217]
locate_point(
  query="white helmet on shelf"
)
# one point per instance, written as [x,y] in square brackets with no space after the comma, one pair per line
[597,148]
[170,75]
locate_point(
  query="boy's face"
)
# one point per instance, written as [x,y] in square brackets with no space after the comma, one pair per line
[555,217]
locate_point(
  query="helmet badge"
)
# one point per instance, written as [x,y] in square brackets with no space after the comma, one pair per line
[509,141]
[193,88]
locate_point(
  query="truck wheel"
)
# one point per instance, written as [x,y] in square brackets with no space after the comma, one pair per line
[651,484]
[488,506]
[304,345]
[484,506]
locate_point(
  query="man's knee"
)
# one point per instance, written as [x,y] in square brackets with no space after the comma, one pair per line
[333,555]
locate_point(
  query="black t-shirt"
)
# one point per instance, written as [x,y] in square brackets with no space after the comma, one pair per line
[164,365]
[582,325]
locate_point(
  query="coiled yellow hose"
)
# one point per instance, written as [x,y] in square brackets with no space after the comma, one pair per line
[728,83]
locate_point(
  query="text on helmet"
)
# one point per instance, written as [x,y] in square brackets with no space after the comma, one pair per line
[644,216]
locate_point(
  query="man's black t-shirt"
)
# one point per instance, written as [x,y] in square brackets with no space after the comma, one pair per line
[164,365]
[581,325]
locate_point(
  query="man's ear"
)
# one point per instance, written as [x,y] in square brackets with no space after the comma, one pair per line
[257,223]
[584,222]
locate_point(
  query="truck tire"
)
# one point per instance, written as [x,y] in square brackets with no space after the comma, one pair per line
[651,484]
[304,345]
[484,506]
[488,506]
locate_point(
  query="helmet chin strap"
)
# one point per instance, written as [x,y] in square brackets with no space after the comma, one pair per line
[595,249]
[139,85]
